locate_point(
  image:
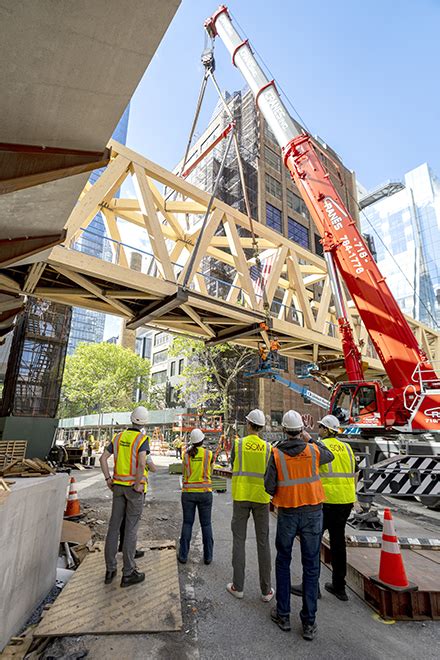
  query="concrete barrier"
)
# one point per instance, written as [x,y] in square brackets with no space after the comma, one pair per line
[30,522]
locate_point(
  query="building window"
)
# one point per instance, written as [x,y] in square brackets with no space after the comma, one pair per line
[159,377]
[297,204]
[269,133]
[273,187]
[318,246]
[273,218]
[296,232]
[181,365]
[283,363]
[272,159]
[161,338]
[300,368]
[172,369]
[160,357]
[276,417]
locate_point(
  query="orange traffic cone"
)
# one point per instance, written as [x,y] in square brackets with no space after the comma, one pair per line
[392,572]
[72,504]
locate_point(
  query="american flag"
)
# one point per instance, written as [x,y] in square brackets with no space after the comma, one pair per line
[261,275]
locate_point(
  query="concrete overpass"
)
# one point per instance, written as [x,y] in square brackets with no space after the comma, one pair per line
[68,71]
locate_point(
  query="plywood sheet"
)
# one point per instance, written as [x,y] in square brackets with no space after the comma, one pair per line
[88,606]
[75,532]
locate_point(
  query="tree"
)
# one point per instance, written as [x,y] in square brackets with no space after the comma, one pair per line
[103,378]
[209,378]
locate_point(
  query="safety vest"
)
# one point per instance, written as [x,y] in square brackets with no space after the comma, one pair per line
[197,472]
[250,461]
[125,451]
[338,477]
[298,481]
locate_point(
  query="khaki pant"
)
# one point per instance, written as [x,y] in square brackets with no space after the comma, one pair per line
[126,502]
[240,516]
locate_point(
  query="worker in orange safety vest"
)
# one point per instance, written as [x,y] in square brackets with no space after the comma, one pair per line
[292,478]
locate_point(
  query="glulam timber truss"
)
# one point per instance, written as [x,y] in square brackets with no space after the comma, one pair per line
[151,272]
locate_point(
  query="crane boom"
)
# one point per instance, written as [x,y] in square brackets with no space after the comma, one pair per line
[405,363]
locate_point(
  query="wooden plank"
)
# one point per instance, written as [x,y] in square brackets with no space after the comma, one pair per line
[12,451]
[88,606]
[295,278]
[113,230]
[73,532]
[241,263]
[152,224]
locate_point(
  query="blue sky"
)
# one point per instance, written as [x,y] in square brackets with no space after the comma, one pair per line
[363,75]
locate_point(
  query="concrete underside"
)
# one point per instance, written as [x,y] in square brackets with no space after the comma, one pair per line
[68,71]
[30,522]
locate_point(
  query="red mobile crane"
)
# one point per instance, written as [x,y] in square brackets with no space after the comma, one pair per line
[412,403]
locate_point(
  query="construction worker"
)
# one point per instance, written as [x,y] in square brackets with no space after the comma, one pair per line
[132,462]
[338,479]
[274,348]
[196,494]
[177,444]
[249,459]
[264,364]
[292,478]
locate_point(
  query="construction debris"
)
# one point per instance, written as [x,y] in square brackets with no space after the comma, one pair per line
[27,467]
[77,533]
[11,450]
[4,490]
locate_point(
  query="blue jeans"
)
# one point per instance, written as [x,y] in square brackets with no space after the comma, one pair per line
[191,502]
[308,526]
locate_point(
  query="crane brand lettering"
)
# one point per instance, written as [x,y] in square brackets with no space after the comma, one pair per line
[433,412]
[334,212]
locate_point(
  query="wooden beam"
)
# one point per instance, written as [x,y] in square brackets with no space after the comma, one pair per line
[197,319]
[34,274]
[152,223]
[118,248]
[86,209]
[89,286]
[274,277]
[157,309]
[160,205]
[324,303]
[240,260]
[209,231]
[296,279]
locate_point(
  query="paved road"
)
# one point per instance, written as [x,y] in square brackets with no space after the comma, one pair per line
[217,626]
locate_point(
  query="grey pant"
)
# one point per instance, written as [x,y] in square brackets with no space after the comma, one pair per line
[128,502]
[260,513]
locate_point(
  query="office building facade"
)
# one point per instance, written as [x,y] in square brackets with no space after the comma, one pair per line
[404,220]
[88,325]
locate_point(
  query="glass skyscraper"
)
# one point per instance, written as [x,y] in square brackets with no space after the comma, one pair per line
[88,325]
[404,220]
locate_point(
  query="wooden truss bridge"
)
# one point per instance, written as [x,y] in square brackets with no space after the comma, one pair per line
[152,273]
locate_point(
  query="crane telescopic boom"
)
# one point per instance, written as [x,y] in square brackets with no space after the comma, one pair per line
[415,385]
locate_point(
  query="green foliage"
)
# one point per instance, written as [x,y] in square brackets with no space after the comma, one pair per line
[102,378]
[210,373]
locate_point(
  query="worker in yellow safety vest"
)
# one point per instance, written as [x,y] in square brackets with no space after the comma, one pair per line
[249,459]
[196,494]
[130,449]
[338,479]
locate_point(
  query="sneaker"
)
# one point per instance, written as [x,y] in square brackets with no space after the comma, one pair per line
[297,590]
[133,578]
[181,560]
[340,593]
[139,553]
[207,561]
[232,590]
[282,622]
[268,597]
[309,631]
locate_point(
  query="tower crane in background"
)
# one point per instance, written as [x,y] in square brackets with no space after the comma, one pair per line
[410,406]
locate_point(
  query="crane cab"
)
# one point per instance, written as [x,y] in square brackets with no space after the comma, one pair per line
[358,403]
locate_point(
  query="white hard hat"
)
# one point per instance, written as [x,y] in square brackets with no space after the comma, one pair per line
[330,422]
[292,421]
[196,437]
[256,417]
[139,416]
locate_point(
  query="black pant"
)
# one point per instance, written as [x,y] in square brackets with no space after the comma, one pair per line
[335,519]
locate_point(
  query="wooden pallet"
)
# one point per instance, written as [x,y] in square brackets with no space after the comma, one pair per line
[11,450]
[422,568]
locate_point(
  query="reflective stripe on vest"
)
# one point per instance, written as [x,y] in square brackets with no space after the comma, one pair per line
[126,458]
[298,480]
[250,461]
[338,477]
[191,482]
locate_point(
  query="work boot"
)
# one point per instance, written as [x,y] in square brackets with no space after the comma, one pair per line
[339,593]
[282,622]
[309,631]
[134,578]
[109,575]
[181,560]
[297,590]
[139,553]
